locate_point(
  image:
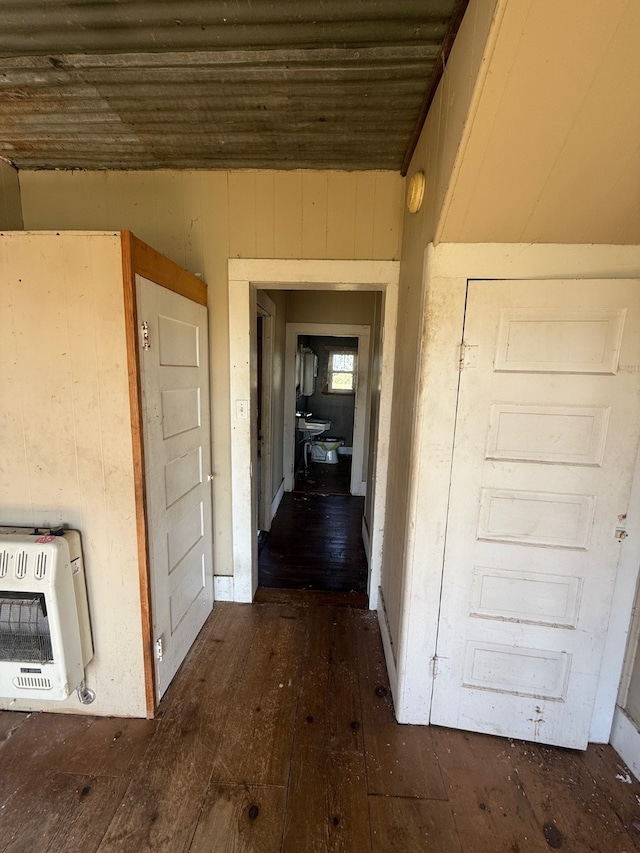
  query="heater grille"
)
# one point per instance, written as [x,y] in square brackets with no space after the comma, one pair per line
[45,634]
[24,628]
[32,682]
[21,564]
[41,566]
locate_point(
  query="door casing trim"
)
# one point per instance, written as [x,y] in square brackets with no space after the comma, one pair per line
[245,278]
[267,310]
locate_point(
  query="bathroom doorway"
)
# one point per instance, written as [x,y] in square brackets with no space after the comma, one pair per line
[348,414]
[325,414]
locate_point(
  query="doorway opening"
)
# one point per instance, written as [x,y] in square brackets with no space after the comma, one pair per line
[304,281]
[316,541]
[313,417]
[325,414]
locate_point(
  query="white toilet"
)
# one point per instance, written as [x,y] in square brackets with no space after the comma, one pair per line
[326,450]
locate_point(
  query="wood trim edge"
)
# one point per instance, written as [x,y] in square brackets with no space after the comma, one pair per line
[149,263]
[135,399]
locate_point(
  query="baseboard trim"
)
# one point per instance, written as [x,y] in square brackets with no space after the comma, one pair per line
[275,503]
[387,645]
[625,739]
[223,588]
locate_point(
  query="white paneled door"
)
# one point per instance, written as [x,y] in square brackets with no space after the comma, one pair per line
[546,436]
[175,391]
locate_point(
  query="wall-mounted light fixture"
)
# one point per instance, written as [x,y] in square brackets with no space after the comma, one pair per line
[415,192]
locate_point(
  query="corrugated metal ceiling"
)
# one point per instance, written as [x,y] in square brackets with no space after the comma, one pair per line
[340,84]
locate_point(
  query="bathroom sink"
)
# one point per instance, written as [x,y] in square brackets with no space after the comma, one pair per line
[312,426]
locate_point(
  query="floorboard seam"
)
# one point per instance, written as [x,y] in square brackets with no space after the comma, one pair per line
[408,797]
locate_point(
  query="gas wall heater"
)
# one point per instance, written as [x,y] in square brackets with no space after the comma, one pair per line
[45,634]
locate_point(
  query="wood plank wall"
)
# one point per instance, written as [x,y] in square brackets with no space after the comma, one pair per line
[200,219]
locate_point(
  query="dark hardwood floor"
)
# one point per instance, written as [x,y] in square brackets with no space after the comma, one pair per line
[278,734]
[324,479]
[315,541]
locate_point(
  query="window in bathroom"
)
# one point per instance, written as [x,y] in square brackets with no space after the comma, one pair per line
[341,371]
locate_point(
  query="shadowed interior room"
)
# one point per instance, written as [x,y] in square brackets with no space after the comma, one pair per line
[320,380]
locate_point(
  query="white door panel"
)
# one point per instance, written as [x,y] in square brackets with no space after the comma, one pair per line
[546,434]
[174,372]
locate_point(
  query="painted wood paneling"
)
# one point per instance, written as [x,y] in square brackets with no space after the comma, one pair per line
[193,223]
[65,440]
[341,219]
[287,203]
[365,216]
[266,214]
[552,153]
[435,155]
[200,219]
[314,214]
[242,214]
[387,228]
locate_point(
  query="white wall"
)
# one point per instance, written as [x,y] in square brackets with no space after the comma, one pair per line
[65,437]
[200,219]
[436,155]
[551,150]
[355,308]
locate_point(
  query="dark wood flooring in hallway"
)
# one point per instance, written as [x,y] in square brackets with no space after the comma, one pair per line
[278,734]
[315,541]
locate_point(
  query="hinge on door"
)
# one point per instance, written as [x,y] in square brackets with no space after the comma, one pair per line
[159,649]
[146,344]
[434,665]
[468,356]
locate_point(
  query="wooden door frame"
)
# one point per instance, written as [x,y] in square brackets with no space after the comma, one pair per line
[140,259]
[361,416]
[448,267]
[245,278]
